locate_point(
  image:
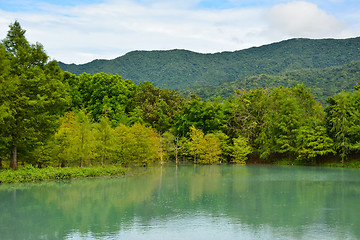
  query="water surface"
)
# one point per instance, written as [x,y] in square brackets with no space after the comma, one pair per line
[189,202]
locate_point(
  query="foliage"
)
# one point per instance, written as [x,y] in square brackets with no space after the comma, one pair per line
[114,121]
[181,69]
[31,174]
[205,115]
[158,106]
[240,150]
[324,82]
[100,93]
[343,122]
[314,142]
[205,149]
[136,145]
[32,95]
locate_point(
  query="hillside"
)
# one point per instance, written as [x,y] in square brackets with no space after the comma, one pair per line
[324,83]
[180,69]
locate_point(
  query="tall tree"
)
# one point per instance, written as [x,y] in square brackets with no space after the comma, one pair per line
[105,139]
[33,93]
[240,150]
[343,121]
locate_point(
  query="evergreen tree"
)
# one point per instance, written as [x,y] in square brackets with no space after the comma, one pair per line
[33,94]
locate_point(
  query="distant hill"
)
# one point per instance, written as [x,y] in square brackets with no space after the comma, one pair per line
[324,82]
[180,69]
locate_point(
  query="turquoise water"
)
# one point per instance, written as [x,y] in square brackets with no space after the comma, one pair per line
[189,202]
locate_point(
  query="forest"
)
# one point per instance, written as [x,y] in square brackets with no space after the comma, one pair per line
[324,82]
[324,65]
[53,118]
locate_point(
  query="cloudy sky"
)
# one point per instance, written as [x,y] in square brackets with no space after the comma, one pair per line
[83,30]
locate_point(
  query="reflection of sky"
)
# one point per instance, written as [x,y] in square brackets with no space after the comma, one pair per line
[205,227]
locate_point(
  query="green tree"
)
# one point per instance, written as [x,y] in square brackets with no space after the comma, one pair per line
[225,145]
[33,94]
[103,91]
[158,106]
[64,148]
[343,121]
[105,139]
[211,149]
[207,116]
[246,115]
[240,150]
[168,143]
[136,145]
[314,142]
[196,142]
[83,138]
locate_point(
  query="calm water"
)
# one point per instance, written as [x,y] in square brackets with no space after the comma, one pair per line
[202,202]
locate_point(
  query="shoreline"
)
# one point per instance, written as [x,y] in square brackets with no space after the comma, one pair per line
[30,174]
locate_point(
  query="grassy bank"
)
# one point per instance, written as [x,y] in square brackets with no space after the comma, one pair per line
[31,174]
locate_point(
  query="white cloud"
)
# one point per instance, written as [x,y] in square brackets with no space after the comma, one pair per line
[304,19]
[82,33]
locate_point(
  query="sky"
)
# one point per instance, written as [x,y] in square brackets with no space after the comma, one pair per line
[83,30]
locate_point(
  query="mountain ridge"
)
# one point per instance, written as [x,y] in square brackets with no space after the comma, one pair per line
[180,69]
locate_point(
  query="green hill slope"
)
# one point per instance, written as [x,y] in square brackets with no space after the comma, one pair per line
[180,69]
[323,82]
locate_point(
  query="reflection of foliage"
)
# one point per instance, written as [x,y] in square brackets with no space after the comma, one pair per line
[276,197]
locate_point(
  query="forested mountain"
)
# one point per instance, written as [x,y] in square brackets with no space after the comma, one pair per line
[180,69]
[50,117]
[324,82]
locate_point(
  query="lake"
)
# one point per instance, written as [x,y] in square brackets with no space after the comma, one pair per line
[189,202]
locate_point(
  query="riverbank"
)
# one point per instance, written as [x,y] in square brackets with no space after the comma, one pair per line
[31,174]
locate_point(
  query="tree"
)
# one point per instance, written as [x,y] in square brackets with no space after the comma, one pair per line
[168,145]
[102,91]
[343,121]
[83,138]
[105,139]
[158,106]
[247,115]
[211,149]
[33,93]
[196,142]
[313,142]
[240,150]
[289,109]
[207,116]
[137,145]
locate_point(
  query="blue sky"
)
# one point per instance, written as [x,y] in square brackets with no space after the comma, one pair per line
[84,30]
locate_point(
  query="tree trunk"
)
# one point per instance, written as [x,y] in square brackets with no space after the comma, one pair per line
[13,161]
[0,163]
[161,154]
[177,149]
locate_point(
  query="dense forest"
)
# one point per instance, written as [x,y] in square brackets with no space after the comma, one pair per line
[51,117]
[324,82]
[270,64]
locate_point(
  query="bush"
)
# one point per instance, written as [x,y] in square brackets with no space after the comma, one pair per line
[31,174]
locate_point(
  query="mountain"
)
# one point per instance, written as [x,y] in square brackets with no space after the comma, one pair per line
[180,69]
[323,82]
